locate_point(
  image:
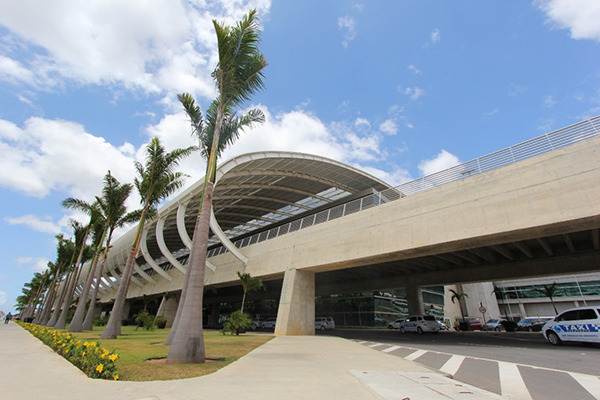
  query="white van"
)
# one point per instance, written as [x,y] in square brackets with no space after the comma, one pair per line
[580,324]
[420,324]
[323,323]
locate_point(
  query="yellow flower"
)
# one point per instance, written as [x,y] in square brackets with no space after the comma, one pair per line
[116,378]
[99,368]
[113,357]
[86,344]
[83,354]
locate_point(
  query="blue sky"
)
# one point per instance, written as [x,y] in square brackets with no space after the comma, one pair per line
[397,88]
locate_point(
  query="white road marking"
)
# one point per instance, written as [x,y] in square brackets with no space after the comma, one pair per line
[375,345]
[390,349]
[453,364]
[511,382]
[590,383]
[413,356]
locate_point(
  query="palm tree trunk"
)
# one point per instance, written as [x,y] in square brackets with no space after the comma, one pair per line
[62,319]
[243,301]
[61,298]
[88,323]
[188,342]
[76,324]
[186,282]
[53,289]
[113,327]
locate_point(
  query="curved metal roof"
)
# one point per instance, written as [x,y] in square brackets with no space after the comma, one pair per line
[253,192]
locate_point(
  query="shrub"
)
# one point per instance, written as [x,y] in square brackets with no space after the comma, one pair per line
[237,322]
[160,322]
[510,326]
[93,360]
[146,320]
[100,321]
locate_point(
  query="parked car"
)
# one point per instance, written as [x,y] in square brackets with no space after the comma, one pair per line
[420,324]
[323,323]
[580,324]
[443,325]
[269,323]
[493,324]
[475,324]
[257,323]
[396,324]
[532,324]
[331,322]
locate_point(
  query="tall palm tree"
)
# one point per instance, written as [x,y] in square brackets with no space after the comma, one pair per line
[118,217]
[80,233]
[249,284]
[157,180]
[238,75]
[549,291]
[456,295]
[109,212]
[69,252]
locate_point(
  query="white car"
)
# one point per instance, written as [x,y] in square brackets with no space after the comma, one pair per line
[580,324]
[323,323]
[396,323]
[420,324]
[269,323]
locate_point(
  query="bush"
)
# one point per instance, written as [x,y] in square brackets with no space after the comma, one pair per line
[510,326]
[93,360]
[237,322]
[100,321]
[160,322]
[146,320]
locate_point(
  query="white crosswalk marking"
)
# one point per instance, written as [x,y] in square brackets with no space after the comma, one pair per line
[452,365]
[413,356]
[390,349]
[589,382]
[511,382]
[374,345]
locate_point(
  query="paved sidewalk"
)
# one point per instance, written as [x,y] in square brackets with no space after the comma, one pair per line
[287,367]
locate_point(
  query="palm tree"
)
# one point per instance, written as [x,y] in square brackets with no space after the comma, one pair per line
[80,233]
[109,211]
[69,249]
[238,76]
[157,180]
[456,295]
[501,295]
[64,253]
[549,291]
[249,284]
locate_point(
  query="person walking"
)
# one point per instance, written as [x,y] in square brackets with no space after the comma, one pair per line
[8,318]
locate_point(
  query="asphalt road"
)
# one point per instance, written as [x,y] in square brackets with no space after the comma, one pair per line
[514,365]
[519,348]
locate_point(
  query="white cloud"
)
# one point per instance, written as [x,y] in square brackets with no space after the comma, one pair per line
[515,89]
[362,124]
[442,161]
[348,24]
[579,16]
[414,69]
[389,127]
[35,264]
[46,155]
[413,92]
[549,101]
[43,224]
[490,114]
[435,36]
[168,47]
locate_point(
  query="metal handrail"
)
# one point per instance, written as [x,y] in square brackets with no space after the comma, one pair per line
[558,139]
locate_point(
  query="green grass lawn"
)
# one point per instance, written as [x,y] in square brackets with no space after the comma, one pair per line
[142,353]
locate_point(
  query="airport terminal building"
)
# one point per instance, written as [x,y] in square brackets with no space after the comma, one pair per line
[328,239]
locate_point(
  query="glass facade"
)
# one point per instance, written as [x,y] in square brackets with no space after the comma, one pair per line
[376,308]
[567,289]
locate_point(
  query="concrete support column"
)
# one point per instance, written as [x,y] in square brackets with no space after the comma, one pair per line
[296,313]
[415,300]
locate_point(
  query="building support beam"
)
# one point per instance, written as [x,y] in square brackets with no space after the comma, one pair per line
[296,313]
[415,300]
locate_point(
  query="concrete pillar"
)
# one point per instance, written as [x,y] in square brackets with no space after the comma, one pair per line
[415,300]
[296,313]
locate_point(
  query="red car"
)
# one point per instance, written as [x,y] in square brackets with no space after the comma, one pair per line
[474,324]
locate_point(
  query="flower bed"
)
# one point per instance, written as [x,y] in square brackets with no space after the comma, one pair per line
[93,360]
